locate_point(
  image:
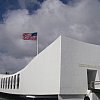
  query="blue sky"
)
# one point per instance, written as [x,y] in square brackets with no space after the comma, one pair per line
[6,5]
[78,19]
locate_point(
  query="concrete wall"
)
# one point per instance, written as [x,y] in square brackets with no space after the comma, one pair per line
[76,58]
[71,97]
[60,69]
[42,75]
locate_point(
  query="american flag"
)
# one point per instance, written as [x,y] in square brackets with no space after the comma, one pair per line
[30,36]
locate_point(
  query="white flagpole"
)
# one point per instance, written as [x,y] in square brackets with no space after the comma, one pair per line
[37,44]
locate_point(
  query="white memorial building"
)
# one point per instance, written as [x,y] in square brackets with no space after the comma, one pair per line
[67,69]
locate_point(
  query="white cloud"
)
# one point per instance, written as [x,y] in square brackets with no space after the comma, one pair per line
[80,20]
[11,64]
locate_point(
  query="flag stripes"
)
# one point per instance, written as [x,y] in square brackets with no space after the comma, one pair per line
[30,36]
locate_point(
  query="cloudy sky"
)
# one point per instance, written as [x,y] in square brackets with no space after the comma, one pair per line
[78,19]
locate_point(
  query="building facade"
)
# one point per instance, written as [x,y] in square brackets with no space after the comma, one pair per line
[67,69]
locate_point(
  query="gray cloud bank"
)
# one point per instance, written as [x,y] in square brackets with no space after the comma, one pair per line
[79,19]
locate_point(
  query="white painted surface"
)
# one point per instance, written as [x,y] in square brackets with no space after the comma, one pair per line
[43,72]
[42,75]
[60,69]
[71,97]
[73,75]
